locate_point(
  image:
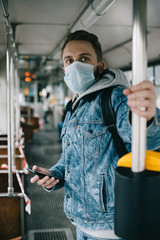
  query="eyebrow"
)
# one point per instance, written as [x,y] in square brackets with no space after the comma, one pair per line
[82,54]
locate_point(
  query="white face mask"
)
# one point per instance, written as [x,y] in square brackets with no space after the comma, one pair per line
[79,76]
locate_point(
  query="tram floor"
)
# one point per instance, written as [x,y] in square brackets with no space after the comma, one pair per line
[47,220]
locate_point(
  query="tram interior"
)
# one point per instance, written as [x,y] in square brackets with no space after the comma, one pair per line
[32,32]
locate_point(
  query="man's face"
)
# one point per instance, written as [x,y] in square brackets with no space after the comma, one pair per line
[81,51]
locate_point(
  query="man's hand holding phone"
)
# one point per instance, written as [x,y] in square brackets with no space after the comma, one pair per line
[43,177]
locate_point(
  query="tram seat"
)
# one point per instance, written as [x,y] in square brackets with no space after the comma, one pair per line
[3,142]
[26,110]
[10,217]
[11,209]
[3,139]
[4,157]
[28,115]
[3,135]
[28,131]
[35,121]
[4,182]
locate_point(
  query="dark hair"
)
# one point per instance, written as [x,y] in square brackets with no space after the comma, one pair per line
[82,35]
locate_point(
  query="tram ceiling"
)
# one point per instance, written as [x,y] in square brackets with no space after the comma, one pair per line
[39,28]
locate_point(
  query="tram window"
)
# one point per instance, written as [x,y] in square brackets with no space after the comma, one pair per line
[150,74]
[157,75]
[153,75]
[158,96]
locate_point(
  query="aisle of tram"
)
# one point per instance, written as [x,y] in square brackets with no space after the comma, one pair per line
[47,219]
[31,63]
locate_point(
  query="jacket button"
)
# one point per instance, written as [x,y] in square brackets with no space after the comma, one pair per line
[68,171]
[90,131]
[68,196]
[68,143]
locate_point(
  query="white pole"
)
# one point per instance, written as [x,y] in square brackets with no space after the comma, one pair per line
[8,66]
[17,125]
[10,99]
[139,66]
[35,97]
[12,115]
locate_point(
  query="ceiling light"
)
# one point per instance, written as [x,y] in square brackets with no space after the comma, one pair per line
[28,79]
[95,10]
[27,74]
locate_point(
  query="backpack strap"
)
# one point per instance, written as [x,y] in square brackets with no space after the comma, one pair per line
[109,120]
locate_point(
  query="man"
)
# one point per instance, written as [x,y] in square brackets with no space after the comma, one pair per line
[89,157]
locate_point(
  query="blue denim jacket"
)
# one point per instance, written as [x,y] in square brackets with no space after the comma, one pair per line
[89,160]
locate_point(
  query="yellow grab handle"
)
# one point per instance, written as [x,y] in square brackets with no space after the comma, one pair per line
[152,161]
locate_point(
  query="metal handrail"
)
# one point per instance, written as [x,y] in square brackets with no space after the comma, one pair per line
[6,156]
[13,195]
[139,68]
[9,68]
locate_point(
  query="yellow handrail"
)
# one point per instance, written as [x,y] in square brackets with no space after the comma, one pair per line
[152,161]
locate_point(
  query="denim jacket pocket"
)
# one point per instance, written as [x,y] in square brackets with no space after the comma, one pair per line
[98,199]
[103,193]
[93,140]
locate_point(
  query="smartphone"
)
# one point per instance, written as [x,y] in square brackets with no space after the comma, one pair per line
[41,174]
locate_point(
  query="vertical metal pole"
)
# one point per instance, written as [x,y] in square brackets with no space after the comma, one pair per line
[139,67]
[35,97]
[17,124]
[8,63]
[12,104]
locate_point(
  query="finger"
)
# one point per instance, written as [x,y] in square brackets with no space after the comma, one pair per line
[51,184]
[127,91]
[148,114]
[143,85]
[43,180]
[144,94]
[35,167]
[144,103]
[45,171]
[49,181]
[34,179]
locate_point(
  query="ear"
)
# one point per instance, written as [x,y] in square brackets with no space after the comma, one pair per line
[101,67]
